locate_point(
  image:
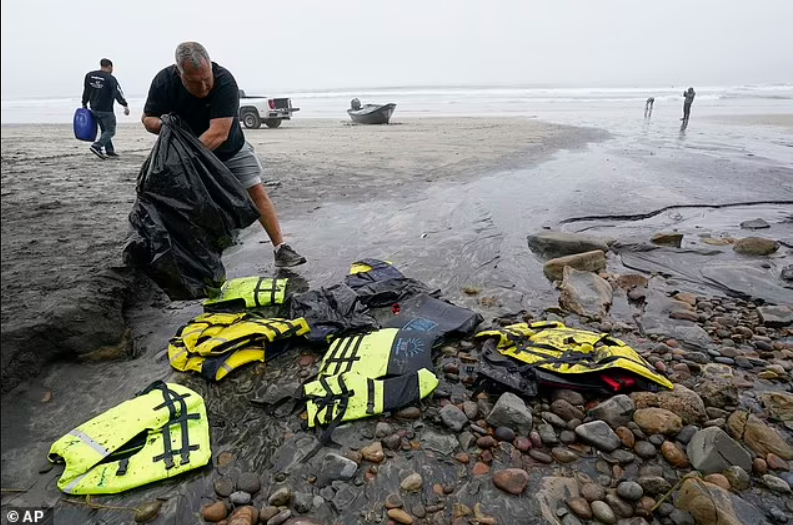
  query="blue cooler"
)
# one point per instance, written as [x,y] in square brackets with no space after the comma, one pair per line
[84,125]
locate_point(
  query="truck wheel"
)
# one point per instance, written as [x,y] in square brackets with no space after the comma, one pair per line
[251,120]
[272,122]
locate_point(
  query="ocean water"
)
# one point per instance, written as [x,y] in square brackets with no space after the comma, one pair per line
[466,101]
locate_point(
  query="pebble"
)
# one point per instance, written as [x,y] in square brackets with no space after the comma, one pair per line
[725,361]
[566,411]
[240,497]
[373,453]
[685,435]
[675,455]
[627,437]
[393,501]
[249,482]
[654,484]
[480,469]
[267,513]
[738,478]
[383,429]
[536,441]
[718,479]
[224,487]
[409,413]
[471,410]
[776,484]
[280,518]
[214,512]
[463,458]
[563,455]
[645,450]
[392,442]
[540,456]
[412,483]
[621,508]
[567,437]
[592,492]
[504,434]
[580,507]
[400,516]
[453,417]
[147,512]
[511,480]
[522,443]
[776,463]
[571,396]
[657,439]
[630,490]
[486,442]
[603,513]
[759,466]
[548,435]
[479,430]
[778,515]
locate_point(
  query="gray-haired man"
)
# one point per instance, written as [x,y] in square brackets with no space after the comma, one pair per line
[206,97]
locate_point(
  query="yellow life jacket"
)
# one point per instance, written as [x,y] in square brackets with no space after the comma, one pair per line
[249,292]
[385,352]
[159,434]
[554,347]
[352,396]
[215,344]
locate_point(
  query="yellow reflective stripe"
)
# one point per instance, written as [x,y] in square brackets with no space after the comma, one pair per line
[88,440]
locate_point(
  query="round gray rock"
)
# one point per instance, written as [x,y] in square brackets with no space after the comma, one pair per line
[603,512]
[249,482]
[630,490]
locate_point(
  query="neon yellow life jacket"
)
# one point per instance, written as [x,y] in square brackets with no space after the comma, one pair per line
[352,396]
[159,434]
[249,292]
[386,352]
[215,344]
[556,348]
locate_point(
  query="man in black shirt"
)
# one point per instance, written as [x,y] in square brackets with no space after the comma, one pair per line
[206,97]
[100,89]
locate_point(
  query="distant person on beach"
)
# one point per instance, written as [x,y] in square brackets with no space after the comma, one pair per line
[205,95]
[100,89]
[688,100]
[648,107]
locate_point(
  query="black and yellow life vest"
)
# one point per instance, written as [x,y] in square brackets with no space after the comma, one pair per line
[351,396]
[159,434]
[248,292]
[561,350]
[215,344]
[367,374]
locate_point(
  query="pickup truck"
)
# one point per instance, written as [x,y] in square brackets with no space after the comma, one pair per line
[255,110]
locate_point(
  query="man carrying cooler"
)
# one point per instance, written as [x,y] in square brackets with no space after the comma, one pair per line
[100,89]
[206,97]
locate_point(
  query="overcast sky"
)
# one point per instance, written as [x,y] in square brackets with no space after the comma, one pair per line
[48,45]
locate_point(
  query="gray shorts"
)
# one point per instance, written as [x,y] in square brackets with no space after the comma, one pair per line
[246,166]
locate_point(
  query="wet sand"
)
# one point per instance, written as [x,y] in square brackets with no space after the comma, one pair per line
[784,121]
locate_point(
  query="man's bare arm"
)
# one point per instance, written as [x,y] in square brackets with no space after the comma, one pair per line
[217,133]
[152,124]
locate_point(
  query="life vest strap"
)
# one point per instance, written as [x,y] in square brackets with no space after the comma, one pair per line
[328,402]
[260,289]
[353,342]
[370,396]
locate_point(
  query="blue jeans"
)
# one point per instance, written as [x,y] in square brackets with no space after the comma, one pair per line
[107,124]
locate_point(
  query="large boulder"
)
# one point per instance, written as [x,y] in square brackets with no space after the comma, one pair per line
[549,245]
[778,404]
[776,316]
[594,261]
[758,436]
[710,504]
[682,401]
[585,293]
[712,451]
[755,246]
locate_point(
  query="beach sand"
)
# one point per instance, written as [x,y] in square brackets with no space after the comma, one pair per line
[64,212]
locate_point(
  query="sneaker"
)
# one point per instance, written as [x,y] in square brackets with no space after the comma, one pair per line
[96,150]
[286,257]
[112,155]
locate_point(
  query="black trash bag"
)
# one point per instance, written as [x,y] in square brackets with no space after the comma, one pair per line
[188,207]
[331,311]
[424,313]
[384,285]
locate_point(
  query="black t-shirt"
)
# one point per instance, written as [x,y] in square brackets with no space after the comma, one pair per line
[168,95]
[100,88]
